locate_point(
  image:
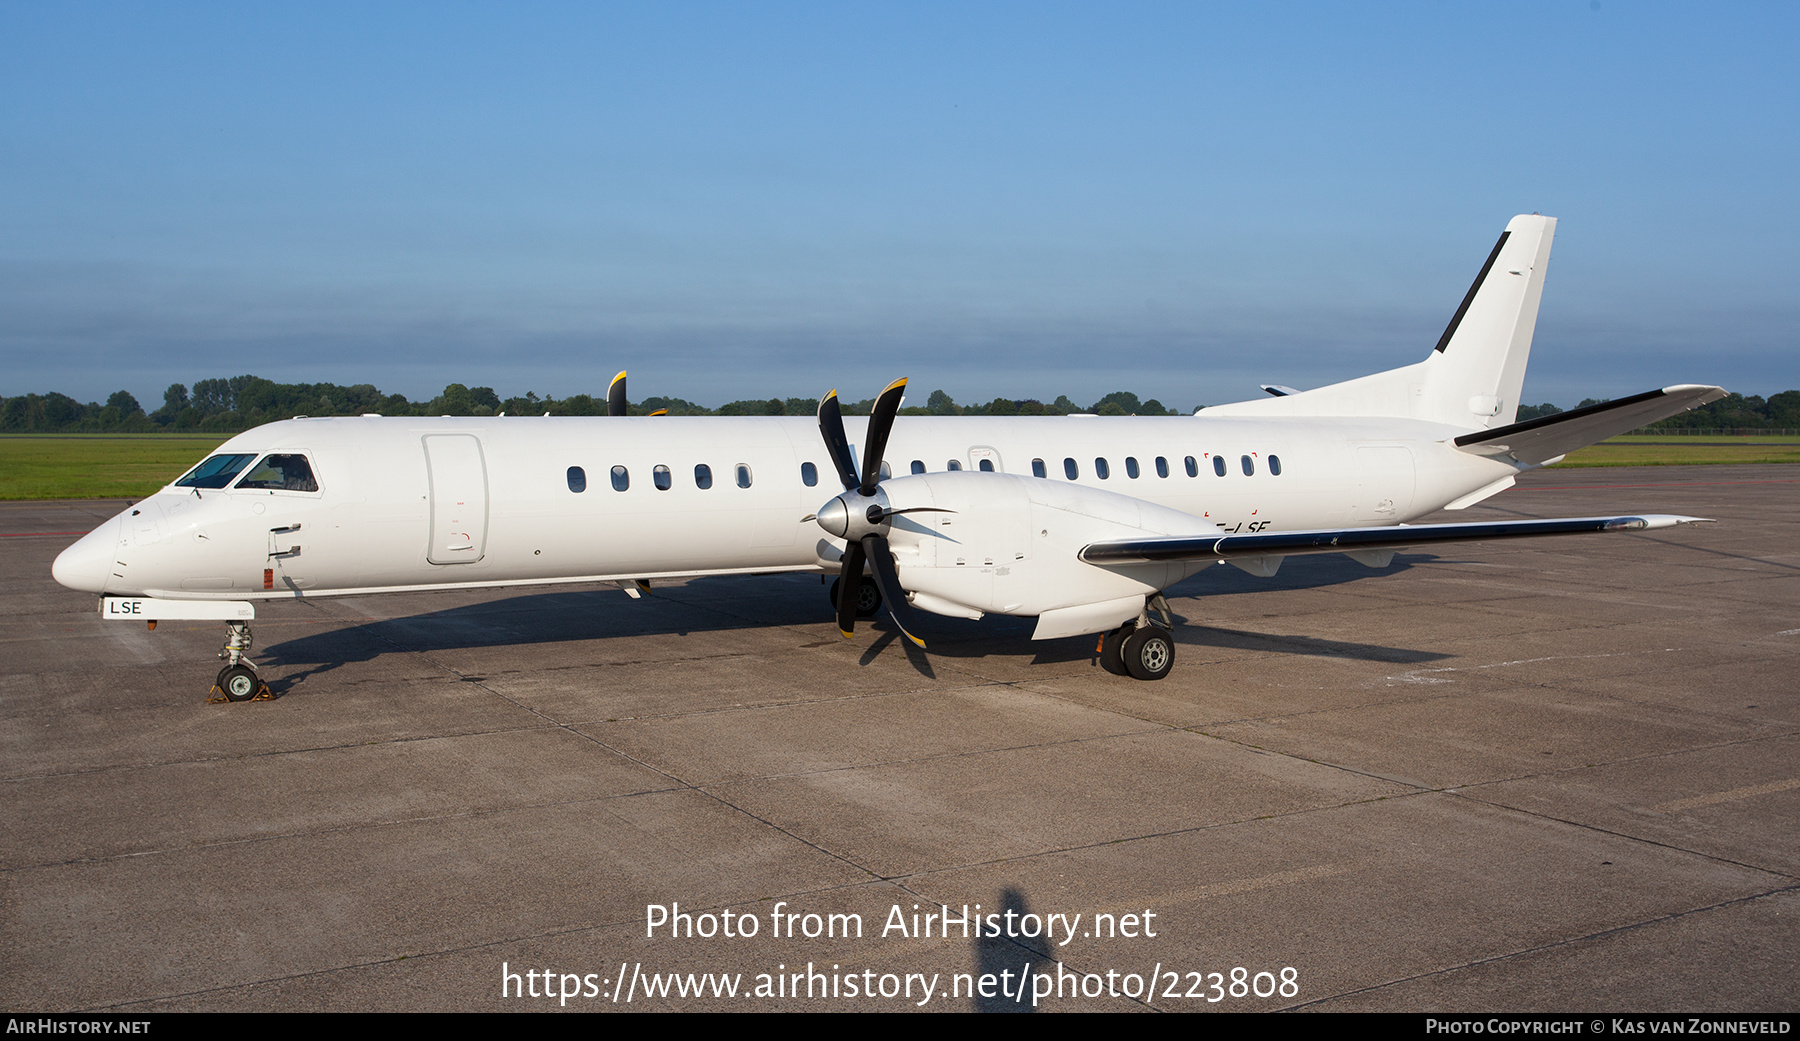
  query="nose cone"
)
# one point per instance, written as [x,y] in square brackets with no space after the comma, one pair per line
[834,517]
[88,563]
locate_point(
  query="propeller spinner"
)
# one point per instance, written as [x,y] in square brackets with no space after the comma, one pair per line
[861,516]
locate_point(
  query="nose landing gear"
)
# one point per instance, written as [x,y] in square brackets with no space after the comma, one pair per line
[238,680]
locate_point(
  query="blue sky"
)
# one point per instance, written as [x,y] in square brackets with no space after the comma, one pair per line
[747,200]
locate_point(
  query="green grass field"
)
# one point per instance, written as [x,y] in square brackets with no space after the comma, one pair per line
[98,466]
[126,466]
[1664,450]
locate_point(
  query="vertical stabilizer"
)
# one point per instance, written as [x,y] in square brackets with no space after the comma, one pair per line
[1475,374]
[1473,377]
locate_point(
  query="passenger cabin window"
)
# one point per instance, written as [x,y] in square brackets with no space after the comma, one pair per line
[1275,465]
[621,479]
[954,464]
[1219,465]
[1037,468]
[1101,470]
[743,475]
[1162,467]
[918,466]
[1070,470]
[662,479]
[886,470]
[215,472]
[577,479]
[988,465]
[288,473]
[1131,467]
[702,476]
[1249,466]
[809,475]
[1193,467]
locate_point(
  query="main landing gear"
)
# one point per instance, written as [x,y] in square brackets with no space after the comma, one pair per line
[238,680]
[1140,648]
[868,597]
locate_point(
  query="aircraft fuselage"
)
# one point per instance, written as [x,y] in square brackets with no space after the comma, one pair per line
[407,503]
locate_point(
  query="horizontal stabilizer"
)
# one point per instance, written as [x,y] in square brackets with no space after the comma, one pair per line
[1547,437]
[1342,540]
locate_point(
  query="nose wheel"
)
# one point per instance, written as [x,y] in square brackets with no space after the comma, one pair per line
[238,680]
[239,683]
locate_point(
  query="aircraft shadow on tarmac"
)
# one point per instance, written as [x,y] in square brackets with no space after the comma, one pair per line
[737,603]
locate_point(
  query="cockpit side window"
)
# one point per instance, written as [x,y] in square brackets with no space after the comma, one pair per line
[290,473]
[215,472]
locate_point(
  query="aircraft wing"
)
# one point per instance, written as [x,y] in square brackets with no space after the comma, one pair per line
[1547,437]
[1344,540]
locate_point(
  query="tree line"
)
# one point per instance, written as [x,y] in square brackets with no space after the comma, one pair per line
[229,405]
[1731,412]
[225,406]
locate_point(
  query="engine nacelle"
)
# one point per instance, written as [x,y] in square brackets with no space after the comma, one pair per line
[1009,547]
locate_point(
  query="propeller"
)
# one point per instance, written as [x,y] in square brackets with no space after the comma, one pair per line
[616,405]
[862,514]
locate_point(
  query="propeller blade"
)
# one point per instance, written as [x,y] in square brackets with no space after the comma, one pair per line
[831,427]
[881,421]
[615,396]
[887,579]
[849,588]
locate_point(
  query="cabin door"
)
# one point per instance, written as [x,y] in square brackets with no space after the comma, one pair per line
[459,498]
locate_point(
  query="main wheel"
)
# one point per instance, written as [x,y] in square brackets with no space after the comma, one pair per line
[1149,653]
[1112,650]
[868,597]
[239,682]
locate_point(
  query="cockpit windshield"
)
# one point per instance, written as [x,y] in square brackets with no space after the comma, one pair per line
[216,472]
[281,473]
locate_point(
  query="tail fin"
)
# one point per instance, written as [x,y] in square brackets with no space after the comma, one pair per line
[1473,377]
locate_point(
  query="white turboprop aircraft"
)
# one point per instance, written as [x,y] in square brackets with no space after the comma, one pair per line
[1079,521]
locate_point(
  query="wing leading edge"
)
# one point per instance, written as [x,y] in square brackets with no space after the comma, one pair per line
[1343,540]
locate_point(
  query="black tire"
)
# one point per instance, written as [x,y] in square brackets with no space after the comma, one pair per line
[239,683]
[1112,651]
[868,598]
[1150,653]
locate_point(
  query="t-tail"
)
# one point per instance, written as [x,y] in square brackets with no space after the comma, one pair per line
[1473,376]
